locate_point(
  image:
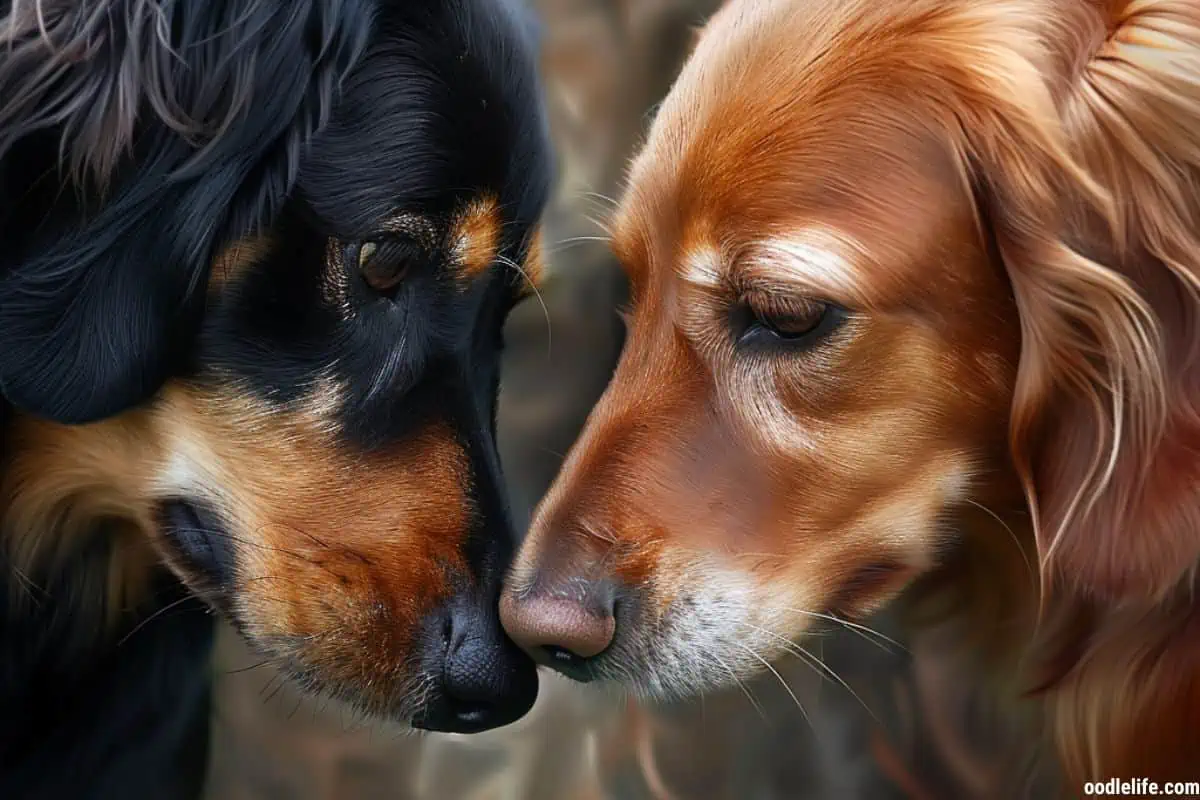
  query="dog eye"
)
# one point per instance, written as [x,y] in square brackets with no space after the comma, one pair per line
[792,322]
[382,263]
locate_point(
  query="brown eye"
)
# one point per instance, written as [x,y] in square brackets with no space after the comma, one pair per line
[382,264]
[787,322]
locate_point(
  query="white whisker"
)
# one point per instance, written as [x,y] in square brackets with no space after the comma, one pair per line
[740,685]
[508,262]
[782,682]
[862,630]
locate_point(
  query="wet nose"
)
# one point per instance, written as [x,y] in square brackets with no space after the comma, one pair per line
[562,626]
[486,680]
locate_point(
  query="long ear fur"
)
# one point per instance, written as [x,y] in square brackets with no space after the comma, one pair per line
[1114,451]
[1089,165]
[135,138]
[1090,171]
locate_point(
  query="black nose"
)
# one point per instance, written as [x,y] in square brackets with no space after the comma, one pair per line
[486,681]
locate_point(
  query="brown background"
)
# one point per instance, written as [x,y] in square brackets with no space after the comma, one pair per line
[606,63]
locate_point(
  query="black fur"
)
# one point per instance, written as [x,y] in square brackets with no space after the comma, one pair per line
[184,125]
[101,716]
[138,138]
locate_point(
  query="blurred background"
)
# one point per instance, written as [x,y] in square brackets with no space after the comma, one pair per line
[812,731]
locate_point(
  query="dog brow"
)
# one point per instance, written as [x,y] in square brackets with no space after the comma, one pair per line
[812,260]
[702,268]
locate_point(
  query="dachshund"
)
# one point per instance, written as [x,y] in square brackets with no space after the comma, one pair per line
[915,316]
[257,258]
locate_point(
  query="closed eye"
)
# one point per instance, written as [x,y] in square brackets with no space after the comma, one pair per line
[383,263]
[791,323]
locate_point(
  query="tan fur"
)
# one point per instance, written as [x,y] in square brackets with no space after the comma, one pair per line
[476,238]
[343,549]
[1003,193]
[276,479]
[63,479]
[535,263]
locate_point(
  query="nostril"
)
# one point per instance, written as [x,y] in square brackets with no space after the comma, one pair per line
[473,715]
[562,657]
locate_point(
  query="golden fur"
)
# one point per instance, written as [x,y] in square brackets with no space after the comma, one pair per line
[1005,197]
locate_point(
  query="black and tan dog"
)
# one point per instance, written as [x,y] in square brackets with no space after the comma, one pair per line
[256,259]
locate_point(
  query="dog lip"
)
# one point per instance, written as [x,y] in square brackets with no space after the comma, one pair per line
[197,538]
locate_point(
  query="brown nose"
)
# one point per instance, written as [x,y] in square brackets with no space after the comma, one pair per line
[562,626]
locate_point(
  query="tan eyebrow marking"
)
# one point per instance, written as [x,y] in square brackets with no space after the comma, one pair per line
[475,238]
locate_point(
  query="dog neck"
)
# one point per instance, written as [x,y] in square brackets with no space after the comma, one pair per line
[971,621]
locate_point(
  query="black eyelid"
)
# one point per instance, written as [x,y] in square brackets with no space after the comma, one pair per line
[389,250]
[755,333]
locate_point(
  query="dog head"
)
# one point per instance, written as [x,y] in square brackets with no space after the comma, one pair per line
[883,298]
[290,276]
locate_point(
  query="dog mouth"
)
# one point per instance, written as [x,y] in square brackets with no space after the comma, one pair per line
[199,541]
[458,674]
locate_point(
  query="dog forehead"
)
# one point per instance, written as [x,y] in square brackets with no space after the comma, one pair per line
[864,217]
[444,108]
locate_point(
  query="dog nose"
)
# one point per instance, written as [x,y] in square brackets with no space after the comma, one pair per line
[486,680]
[562,627]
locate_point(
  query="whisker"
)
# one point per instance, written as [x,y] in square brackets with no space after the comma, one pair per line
[508,262]
[154,616]
[250,668]
[575,240]
[599,224]
[599,196]
[27,583]
[806,655]
[248,542]
[782,682]
[274,692]
[833,673]
[741,686]
[1011,533]
[270,681]
[284,551]
[862,630]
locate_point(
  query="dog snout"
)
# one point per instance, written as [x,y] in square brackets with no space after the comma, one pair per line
[563,622]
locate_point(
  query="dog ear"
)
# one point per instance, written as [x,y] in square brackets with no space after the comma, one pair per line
[134,142]
[1087,174]
[1105,426]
